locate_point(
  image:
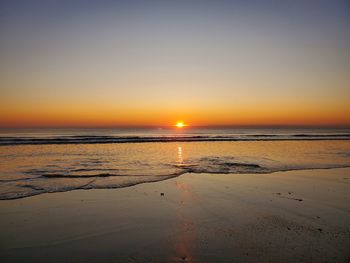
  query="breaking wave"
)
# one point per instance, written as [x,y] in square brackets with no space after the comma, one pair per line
[98,139]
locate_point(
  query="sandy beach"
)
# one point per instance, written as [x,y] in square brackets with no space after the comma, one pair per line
[295,216]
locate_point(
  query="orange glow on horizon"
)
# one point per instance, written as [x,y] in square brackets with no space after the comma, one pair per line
[83,115]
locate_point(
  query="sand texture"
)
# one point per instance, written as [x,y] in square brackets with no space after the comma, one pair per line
[296,216]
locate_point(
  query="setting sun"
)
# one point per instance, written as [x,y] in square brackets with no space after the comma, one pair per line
[180,125]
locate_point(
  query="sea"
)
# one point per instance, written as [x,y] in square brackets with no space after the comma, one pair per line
[39,161]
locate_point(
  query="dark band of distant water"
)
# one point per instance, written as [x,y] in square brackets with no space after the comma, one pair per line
[95,136]
[47,161]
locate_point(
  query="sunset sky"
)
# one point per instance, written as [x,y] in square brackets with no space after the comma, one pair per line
[153,63]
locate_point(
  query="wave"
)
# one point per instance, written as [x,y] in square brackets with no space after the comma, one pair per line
[96,139]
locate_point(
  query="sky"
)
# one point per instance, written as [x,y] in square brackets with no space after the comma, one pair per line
[75,63]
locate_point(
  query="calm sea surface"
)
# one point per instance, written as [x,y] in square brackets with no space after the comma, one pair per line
[41,161]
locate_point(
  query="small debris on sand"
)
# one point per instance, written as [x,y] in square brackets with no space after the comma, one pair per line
[161,194]
[291,198]
[296,199]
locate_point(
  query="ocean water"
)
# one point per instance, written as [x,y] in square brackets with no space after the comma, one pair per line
[43,161]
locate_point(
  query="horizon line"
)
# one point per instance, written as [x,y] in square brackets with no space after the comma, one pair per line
[252,126]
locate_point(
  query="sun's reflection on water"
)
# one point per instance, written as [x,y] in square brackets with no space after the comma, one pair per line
[179,155]
[185,238]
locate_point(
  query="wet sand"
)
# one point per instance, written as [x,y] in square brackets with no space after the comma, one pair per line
[296,216]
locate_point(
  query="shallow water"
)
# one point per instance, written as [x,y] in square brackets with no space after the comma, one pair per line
[27,170]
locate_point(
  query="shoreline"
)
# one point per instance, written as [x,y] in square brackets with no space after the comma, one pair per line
[164,178]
